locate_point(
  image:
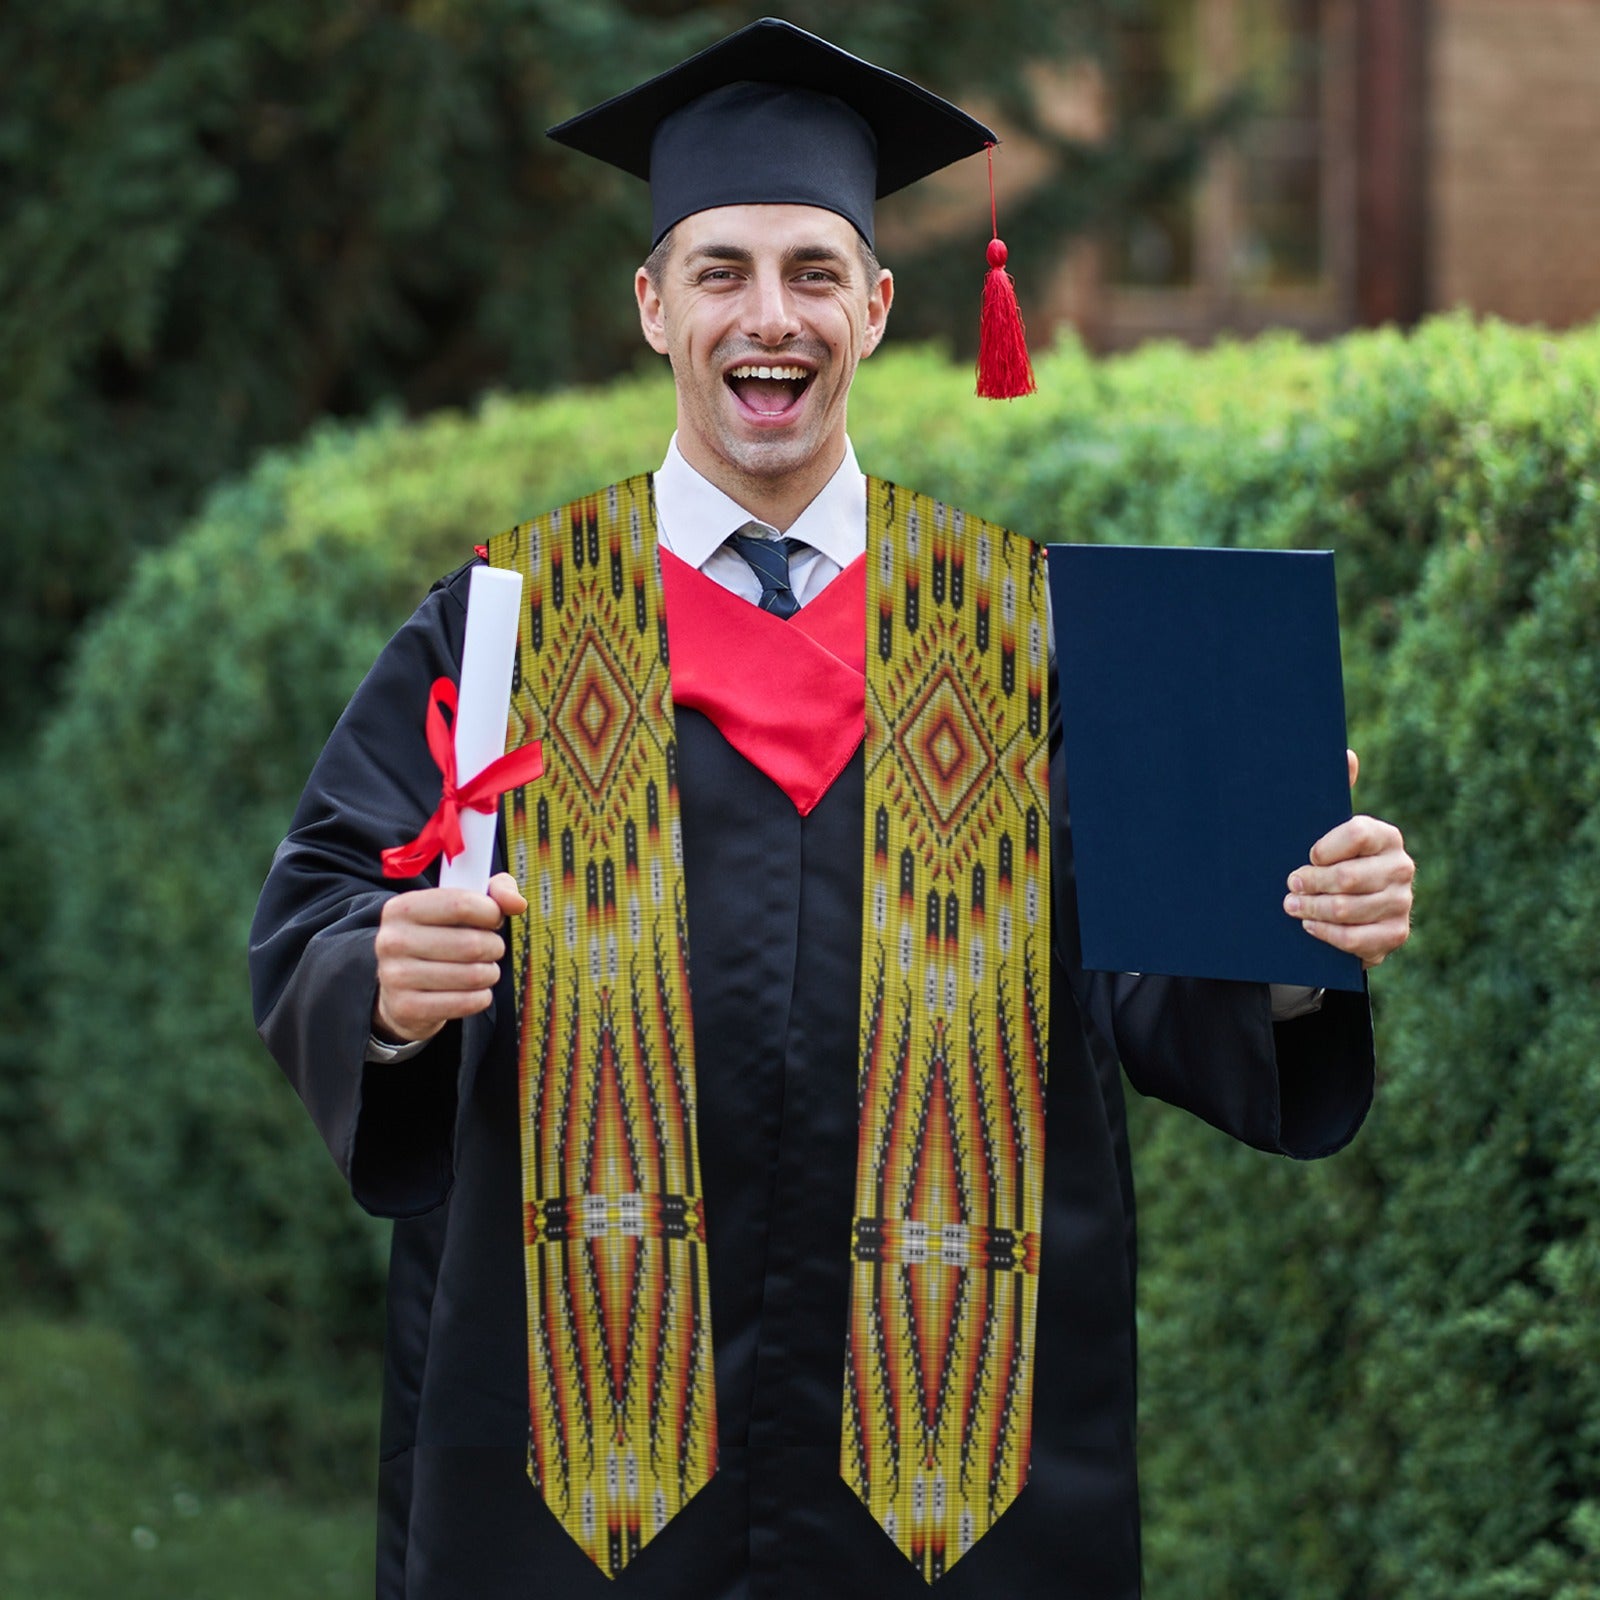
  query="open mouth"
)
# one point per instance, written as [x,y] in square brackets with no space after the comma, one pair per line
[769,391]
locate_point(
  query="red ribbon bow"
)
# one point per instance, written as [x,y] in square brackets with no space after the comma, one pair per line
[442,831]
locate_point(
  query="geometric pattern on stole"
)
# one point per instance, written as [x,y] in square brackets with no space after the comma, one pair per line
[956,935]
[622,1420]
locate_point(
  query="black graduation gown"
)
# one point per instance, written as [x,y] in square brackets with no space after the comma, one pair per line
[774,905]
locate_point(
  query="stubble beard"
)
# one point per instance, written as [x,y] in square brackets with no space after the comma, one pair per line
[766,459]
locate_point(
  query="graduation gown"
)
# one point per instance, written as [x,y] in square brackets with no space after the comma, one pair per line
[774,907]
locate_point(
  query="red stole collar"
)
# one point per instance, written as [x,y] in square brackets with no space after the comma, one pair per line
[789,696]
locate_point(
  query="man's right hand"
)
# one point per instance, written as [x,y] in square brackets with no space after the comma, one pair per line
[439,955]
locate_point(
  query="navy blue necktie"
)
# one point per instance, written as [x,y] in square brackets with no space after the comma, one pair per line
[769,560]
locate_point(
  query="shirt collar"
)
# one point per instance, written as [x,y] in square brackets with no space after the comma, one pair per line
[694,517]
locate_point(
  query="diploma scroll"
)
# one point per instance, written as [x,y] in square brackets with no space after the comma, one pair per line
[494,602]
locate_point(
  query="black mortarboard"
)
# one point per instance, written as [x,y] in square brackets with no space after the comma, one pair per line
[774,115]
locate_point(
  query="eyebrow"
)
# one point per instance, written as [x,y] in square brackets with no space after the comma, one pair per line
[795,255]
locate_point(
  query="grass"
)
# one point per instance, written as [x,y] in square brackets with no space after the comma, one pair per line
[94,1503]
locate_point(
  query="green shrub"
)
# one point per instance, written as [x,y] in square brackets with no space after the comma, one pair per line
[97,1500]
[1375,1378]
[194,1206]
[1370,1378]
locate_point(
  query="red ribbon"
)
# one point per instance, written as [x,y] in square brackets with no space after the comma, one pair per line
[442,831]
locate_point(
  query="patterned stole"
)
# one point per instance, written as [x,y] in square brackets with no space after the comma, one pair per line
[621,1399]
[939,1350]
[938,1397]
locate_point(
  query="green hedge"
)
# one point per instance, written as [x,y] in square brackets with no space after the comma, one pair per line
[190,1201]
[1374,1377]
[1377,1377]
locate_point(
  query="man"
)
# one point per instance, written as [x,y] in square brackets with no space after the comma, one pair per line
[777,1290]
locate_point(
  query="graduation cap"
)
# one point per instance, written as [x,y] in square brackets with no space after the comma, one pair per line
[773,115]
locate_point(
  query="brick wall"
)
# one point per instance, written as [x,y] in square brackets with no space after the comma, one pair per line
[1515,158]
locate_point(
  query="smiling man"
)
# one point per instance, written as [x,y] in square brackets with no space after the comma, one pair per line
[731,1257]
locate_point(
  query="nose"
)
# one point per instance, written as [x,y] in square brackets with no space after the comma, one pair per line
[771,318]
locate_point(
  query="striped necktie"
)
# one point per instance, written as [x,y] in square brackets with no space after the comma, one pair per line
[768,558]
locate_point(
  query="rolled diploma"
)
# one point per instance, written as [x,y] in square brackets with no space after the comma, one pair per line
[494,599]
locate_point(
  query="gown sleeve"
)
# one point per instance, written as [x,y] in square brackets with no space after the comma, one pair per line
[313,966]
[1300,1088]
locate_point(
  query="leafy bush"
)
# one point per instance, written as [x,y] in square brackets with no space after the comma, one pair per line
[219,223]
[1375,1378]
[316,207]
[1370,1378]
[96,1499]
[191,1206]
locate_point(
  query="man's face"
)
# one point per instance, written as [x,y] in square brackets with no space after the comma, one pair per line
[764,311]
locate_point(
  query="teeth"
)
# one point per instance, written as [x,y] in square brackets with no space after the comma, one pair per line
[797,374]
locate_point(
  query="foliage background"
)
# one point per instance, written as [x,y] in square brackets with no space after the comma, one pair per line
[220,224]
[1373,1377]
[221,228]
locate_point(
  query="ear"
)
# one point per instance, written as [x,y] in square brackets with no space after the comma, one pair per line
[880,298]
[652,315]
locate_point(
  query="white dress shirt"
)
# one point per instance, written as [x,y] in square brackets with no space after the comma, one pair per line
[694,518]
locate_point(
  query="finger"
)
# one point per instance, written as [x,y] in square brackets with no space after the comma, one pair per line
[1353,761]
[504,892]
[448,908]
[426,941]
[436,977]
[1360,836]
[415,1015]
[1355,875]
[1371,942]
[1392,902]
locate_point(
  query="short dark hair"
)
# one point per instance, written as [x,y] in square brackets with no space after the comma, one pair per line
[656,262]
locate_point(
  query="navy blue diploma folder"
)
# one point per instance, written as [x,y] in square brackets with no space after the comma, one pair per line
[1202,713]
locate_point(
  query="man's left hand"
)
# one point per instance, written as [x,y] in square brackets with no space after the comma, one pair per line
[1355,893]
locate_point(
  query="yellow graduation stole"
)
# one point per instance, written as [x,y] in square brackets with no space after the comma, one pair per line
[954,1002]
[955,926]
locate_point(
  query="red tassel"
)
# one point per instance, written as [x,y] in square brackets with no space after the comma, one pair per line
[1004,370]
